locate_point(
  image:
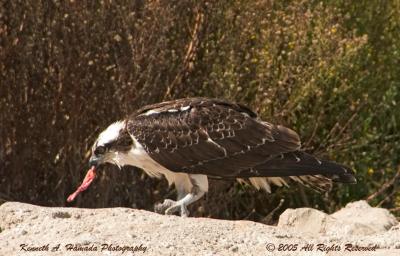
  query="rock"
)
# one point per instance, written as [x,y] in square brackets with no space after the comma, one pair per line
[306,220]
[356,219]
[121,231]
[360,212]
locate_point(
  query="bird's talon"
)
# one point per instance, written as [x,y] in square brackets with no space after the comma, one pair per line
[163,207]
[158,208]
[171,210]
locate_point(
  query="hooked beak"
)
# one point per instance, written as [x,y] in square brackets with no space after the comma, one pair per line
[94,161]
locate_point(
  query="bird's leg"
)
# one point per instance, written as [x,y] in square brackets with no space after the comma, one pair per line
[161,207]
[199,187]
[181,193]
[195,194]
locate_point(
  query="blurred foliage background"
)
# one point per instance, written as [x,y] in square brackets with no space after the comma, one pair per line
[328,69]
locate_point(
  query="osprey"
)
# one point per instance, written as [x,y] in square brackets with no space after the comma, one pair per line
[190,140]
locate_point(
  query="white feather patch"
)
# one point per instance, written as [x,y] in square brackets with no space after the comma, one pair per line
[277,181]
[111,133]
[138,157]
[260,183]
[151,112]
[264,182]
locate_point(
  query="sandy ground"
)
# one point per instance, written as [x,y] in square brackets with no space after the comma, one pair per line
[33,230]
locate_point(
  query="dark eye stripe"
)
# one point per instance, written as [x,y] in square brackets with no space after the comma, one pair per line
[100,150]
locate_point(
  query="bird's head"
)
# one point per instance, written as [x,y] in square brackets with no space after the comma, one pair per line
[112,146]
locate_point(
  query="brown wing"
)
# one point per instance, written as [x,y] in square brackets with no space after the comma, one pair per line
[208,136]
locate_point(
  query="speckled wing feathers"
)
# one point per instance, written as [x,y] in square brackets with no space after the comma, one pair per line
[208,136]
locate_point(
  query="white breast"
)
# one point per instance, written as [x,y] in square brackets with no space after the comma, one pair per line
[138,157]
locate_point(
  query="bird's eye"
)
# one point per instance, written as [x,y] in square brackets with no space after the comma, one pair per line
[100,150]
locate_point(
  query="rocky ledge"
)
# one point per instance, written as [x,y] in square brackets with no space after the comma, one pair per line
[357,229]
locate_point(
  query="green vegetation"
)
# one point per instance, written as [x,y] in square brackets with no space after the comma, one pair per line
[328,69]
